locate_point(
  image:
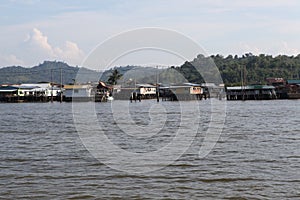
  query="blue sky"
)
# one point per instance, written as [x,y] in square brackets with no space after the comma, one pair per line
[36,30]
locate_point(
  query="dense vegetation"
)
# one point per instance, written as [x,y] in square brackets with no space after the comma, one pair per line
[255,68]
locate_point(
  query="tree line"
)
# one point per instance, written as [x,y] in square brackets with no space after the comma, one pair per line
[253,68]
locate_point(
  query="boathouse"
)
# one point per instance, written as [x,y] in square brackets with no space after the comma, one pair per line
[281,88]
[138,91]
[78,93]
[185,91]
[8,93]
[293,87]
[29,92]
[146,91]
[46,89]
[102,92]
[251,92]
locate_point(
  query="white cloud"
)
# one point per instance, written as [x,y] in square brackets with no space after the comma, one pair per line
[221,25]
[39,42]
[70,52]
[37,48]
[9,60]
[37,45]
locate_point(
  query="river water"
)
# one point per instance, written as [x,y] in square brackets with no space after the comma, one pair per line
[257,156]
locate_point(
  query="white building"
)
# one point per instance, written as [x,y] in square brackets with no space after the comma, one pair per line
[38,89]
[78,92]
[146,89]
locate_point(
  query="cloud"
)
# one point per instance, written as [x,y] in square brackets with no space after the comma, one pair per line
[65,33]
[70,51]
[9,60]
[27,2]
[38,45]
[37,41]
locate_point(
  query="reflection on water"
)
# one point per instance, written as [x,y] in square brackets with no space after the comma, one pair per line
[257,155]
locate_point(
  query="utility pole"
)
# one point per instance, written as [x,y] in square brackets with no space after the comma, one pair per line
[157,89]
[61,96]
[245,76]
[51,86]
[242,82]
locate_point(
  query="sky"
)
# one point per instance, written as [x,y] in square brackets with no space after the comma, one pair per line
[36,30]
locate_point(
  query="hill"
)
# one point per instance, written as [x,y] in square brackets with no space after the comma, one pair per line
[46,72]
[51,71]
[255,68]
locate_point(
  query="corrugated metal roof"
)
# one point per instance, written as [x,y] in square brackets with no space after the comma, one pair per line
[183,85]
[24,87]
[252,87]
[8,89]
[34,85]
[192,84]
[145,85]
[71,87]
[208,85]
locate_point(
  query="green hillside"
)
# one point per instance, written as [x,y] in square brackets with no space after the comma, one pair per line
[255,68]
[46,72]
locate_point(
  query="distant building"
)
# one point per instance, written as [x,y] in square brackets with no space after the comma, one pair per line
[213,90]
[275,81]
[293,82]
[293,88]
[39,89]
[138,91]
[251,92]
[103,92]
[29,92]
[78,93]
[289,89]
[8,93]
[146,91]
[185,91]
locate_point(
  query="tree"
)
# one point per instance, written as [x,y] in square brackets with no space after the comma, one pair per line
[114,77]
[258,68]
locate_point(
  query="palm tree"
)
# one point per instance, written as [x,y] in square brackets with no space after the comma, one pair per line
[114,77]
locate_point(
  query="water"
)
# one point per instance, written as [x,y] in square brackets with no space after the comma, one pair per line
[256,157]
